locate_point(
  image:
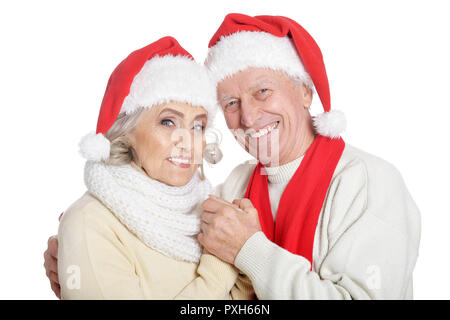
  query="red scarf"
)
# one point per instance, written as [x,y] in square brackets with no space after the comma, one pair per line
[301,201]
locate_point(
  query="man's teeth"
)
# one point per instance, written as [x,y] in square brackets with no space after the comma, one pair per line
[179,160]
[263,132]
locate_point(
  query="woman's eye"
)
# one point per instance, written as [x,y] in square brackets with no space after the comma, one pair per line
[167,122]
[199,127]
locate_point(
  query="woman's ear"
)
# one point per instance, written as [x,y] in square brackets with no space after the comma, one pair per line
[131,138]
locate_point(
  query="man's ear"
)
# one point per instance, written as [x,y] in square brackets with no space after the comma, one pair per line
[307,96]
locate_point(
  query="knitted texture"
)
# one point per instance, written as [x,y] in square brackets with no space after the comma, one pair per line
[165,218]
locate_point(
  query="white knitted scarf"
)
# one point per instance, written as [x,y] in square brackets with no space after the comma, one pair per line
[165,218]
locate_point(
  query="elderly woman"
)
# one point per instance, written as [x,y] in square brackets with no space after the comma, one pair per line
[133,234]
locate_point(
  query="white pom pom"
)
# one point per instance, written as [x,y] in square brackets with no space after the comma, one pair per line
[330,124]
[95,147]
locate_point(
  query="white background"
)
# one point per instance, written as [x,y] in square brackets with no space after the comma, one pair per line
[388,67]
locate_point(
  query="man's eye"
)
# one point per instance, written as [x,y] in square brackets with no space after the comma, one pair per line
[263,90]
[231,106]
[167,122]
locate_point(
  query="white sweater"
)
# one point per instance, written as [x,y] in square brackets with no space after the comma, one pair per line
[278,179]
[366,241]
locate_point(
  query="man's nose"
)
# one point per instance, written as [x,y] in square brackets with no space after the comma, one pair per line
[249,113]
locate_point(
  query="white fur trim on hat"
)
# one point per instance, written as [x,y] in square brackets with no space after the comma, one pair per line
[172,78]
[245,49]
[330,124]
[95,147]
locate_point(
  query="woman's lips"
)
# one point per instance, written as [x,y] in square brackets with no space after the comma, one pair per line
[180,162]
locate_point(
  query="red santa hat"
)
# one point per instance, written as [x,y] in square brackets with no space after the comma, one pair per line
[278,43]
[158,73]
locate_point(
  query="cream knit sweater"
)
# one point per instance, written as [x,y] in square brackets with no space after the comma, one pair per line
[278,179]
[99,258]
[366,241]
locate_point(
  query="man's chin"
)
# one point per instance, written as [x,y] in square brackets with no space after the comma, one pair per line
[267,156]
[271,161]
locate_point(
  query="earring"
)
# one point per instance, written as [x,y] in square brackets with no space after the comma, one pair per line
[212,152]
[202,172]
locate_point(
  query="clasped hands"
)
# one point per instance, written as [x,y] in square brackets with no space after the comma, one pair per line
[225,226]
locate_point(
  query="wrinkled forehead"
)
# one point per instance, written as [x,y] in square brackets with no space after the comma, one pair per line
[251,79]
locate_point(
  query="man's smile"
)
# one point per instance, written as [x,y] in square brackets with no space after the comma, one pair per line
[262,131]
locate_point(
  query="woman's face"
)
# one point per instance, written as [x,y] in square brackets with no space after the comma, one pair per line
[168,142]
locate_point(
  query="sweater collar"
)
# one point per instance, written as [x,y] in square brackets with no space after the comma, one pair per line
[283,173]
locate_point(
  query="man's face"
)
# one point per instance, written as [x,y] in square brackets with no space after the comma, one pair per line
[267,105]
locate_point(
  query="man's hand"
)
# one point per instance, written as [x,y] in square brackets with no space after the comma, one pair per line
[51,265]
[225,226]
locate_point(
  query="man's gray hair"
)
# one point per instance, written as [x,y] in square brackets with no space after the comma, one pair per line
[298,82]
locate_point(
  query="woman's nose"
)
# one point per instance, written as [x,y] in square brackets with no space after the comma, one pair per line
[181,139]
[183,144]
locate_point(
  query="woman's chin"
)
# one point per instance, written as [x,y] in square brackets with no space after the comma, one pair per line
[177,176]
[177,181]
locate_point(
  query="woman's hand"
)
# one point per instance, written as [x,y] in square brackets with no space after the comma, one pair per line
[51,265]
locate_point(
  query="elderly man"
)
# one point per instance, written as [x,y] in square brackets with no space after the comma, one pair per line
[328,221]
[315,218]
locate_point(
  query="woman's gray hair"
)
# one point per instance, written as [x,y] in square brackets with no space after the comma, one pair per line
[121,151]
